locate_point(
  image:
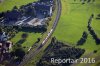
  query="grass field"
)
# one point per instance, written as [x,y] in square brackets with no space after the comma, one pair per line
[30,40]
[74,20]
[9,4]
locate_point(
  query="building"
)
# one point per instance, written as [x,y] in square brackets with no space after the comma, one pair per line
[43,9]
[37,22]
[3,36]
[4,50]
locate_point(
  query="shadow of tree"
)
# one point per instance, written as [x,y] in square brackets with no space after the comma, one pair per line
[21,41]
[83,38]
[34,29]
[92,32]
[98,17]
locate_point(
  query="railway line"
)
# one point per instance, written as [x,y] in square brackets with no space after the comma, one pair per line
[33,54]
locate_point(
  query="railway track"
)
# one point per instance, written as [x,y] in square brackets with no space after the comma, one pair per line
[32,54]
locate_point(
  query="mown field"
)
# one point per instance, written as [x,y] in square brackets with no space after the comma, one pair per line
[74,21]
[30,40]
[9,4]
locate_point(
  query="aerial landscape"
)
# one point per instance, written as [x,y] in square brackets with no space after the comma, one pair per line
[49,32]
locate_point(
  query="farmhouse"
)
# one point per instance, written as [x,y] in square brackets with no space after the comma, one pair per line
[4,50]
[3,36]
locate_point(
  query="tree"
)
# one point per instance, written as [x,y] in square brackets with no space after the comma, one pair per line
[15,8]
[24,35]
[19,52]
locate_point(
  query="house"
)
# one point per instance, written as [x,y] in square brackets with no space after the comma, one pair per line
[6,45]
[4,50]
[0,45]
[3,36]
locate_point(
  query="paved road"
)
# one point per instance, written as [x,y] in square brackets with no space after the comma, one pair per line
[32,54]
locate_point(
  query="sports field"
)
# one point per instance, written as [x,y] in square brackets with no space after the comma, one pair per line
[9,4]
[74,21]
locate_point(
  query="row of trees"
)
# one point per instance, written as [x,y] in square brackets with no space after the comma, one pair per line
[9,30]
[83,38]
[83,1]
[92,32]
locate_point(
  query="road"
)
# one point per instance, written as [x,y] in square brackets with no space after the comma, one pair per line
[32,54]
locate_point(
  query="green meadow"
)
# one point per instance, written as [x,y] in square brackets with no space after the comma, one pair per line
[30,40]
[74,21]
